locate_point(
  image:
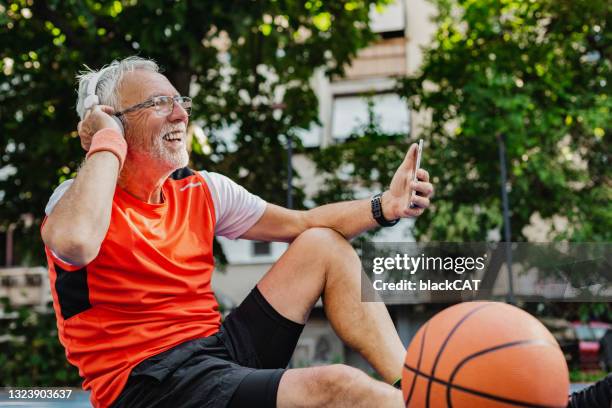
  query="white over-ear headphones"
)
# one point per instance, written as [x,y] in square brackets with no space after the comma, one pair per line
[92,99]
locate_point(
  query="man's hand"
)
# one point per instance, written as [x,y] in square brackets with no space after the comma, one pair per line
[396,201]
[97,118]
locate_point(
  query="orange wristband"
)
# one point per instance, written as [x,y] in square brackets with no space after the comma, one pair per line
[109,140]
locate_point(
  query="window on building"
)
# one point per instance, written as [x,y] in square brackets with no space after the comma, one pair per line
[388,19]
[33,280]
[351,113]
[261,248]
[381,59]
[8,281]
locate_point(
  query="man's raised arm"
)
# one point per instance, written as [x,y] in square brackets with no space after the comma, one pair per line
[349,218]
[78,223]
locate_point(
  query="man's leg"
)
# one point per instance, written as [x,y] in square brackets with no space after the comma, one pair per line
[320,262]
[334,386]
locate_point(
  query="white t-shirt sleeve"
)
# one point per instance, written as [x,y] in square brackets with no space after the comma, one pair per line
[53,200]
[57,194]
[236,209]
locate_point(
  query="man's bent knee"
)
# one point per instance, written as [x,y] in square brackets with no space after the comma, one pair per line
[320,235]
[325,242]
[322,386]
[337,380]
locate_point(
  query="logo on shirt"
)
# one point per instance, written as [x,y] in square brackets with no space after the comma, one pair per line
[190,185]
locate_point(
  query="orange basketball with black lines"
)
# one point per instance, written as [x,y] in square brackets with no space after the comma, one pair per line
[484,355]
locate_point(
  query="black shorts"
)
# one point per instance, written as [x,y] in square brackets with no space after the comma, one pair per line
[240,366]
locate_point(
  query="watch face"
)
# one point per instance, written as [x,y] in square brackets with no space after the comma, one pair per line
[378,214]
[376,206]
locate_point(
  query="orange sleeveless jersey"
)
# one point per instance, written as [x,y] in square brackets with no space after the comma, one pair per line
[148,289]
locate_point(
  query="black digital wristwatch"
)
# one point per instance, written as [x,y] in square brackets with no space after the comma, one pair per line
[377,212]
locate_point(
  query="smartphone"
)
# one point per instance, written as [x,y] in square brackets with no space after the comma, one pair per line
[416,167]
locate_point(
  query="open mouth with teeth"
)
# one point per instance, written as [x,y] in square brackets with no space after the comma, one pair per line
[174,136]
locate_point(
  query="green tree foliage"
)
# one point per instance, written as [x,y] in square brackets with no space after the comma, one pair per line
[535,72]
[30,352]
[538,73]
[247,65]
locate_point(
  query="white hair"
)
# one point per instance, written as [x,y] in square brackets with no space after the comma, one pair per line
[109,80]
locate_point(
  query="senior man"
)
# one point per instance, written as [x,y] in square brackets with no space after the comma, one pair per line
[129,245]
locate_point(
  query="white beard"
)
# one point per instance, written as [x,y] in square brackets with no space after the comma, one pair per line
[176,158]
[170,156]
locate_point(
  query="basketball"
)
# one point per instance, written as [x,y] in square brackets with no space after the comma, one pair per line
[484,354]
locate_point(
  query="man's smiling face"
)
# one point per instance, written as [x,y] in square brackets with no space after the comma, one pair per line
[162,139]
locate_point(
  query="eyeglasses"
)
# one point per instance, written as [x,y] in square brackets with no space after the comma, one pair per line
[164,105]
